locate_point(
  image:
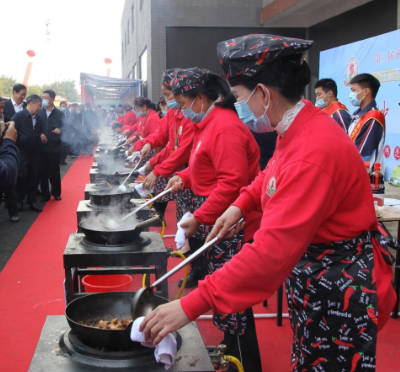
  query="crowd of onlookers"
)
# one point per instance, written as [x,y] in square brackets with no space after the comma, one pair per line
[37,137]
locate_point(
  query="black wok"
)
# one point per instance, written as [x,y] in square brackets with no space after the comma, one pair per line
[116,236]
[114,197]
[116,178]
[90,309]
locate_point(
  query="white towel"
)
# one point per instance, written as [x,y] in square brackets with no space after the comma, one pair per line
[164,352]
[133,157]
[142,191]
[142,171]
[180,238]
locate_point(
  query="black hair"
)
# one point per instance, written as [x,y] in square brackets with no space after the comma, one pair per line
[50,92]
[98,106]
[87,104]
[112,106]
[327,85]
[367,81]
[63,103]
[1,99]
[18,87]
[33,98]
[215,87]
[146,102]
[289,75]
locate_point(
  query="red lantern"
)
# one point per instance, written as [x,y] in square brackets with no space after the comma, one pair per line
[31,53]
[108,61]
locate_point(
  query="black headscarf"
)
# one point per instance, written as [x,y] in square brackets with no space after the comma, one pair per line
[169,75]
[191,78]
[243,57]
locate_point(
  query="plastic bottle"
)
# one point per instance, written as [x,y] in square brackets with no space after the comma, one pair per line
[368,168]
[378,185]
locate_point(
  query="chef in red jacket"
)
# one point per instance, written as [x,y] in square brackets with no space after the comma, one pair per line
[224,158]
[175,136]
[318,232]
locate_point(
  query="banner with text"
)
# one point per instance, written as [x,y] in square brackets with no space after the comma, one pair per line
[379,56]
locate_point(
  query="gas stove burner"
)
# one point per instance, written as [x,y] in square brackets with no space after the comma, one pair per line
[77,351]
[139,243]
[104,208]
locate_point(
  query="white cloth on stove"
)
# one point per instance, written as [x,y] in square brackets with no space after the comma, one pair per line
[142,191]
[180,238]
[164,352]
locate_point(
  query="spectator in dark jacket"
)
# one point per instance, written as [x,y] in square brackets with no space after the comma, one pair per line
[16,102]
[66,132]
[50,150]
[8,158]
[29,127]
[8,154]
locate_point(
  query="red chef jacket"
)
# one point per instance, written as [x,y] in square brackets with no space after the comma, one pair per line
[314,190]
[177,151]
[223,159]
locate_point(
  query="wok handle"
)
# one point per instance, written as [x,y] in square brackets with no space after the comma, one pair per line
[142,225]
[196,254]
[147,203]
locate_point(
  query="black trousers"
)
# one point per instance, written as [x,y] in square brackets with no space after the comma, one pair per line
[245,347]
[64,152]
[27,181]
[49,169]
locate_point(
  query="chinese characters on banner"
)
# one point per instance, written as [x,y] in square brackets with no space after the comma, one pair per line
[380,57]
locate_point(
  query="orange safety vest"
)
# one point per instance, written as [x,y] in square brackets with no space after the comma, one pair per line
[335,107]
[373,114]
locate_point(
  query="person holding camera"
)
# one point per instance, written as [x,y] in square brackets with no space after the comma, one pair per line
[8,153]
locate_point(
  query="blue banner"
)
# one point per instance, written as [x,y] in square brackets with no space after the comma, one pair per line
[379,56]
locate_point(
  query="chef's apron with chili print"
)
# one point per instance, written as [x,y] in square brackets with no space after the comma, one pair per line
[217,256]
[161,184]
[146,159]
[333,307]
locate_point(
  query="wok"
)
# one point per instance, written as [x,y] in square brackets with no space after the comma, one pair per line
[115,177]
[127,234]
[88,310]
[114,197]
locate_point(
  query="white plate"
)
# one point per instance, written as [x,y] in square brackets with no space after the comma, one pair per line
[391,201]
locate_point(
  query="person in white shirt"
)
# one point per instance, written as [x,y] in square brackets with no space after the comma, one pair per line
[16,102]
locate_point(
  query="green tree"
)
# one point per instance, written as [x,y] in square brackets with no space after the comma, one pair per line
[65,88]
[34,89]
[6,85]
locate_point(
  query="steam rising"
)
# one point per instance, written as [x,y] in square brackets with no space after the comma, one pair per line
[110,221]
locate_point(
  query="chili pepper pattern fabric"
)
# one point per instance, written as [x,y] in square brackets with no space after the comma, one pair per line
[217,256]
[333,307]
[191,78]
[243,57]
[160,185]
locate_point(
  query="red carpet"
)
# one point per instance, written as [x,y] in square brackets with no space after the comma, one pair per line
[31,287]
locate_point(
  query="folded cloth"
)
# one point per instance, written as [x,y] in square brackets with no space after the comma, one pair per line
[142,191]
[164,352]
[142,171]
[180,238]
[135,156]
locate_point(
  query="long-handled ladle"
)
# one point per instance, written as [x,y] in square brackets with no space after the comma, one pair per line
[143,301]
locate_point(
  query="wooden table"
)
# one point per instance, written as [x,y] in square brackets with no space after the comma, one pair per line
[394,217]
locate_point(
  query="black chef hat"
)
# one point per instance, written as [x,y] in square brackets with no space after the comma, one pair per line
[191,78]
[169,75]
[141,101]
[243,57]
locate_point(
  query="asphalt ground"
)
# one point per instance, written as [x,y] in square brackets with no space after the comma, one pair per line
[11,234]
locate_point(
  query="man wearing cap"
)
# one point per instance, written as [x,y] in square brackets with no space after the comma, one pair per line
[318,234]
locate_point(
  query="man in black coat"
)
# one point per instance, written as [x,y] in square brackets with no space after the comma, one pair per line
[8,154]
[29,127]
[8,158]
[50,150]
[66,132]
[16,102]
